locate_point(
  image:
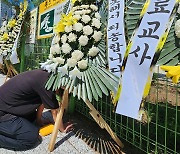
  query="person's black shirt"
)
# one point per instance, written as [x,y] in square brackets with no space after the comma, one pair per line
[24,93]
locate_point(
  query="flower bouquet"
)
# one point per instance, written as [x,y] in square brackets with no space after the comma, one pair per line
[177,24]
[77,58]
[9,37]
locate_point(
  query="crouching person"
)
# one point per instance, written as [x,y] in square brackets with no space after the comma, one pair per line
[22,99]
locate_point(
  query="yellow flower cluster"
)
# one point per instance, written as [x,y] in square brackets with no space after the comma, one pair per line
[11,23]
[5,37]
[66,20]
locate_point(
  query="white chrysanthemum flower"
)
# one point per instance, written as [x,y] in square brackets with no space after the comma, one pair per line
[58,60]
[78,27]
[83,64]
[75,8]
[68,29]
[86,18]
[97,15]
[83,11]
[78,12]
[50,56]
[4,53]
[55,49]
[97,35]
[88,11]
[93,7]
[77,54]
[85,6]
[64,38]
[87,30]
[72,37]
[77,16]
[75,73]
[71,62]
[83,40]
[63,70]
[96,23]
[55,39]
[177,28]
[93,51]
[66,48]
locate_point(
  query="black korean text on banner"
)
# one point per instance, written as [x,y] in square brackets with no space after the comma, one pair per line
[142,49]
[116,36]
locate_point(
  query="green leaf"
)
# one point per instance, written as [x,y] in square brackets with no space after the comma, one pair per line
[170,56]
[56,83]
[75,91]
[84,95]
[89,92]
[68,84]
[100,83]
[72,85]
[110,80]
[103,79]
[96,86]
[116,79]
[52,79]
[92,86]
[79,91]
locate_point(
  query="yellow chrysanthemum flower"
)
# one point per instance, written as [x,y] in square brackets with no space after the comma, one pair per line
[68,20]
[12,23]
[5,37]
[73,1]
[59,27]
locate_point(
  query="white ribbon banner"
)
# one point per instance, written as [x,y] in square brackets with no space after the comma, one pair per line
[1,59]
[14,57]
[144,45]
[116,36]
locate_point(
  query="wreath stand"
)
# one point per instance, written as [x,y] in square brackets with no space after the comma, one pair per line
[93,112]
[11,71]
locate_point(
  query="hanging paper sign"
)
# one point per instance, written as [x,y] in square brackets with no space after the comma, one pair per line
[148,40]
[32,28]
[14,57]
[49,15]
[1,59]
[116,36]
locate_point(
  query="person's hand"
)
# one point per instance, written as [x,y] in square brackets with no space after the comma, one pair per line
[67,127]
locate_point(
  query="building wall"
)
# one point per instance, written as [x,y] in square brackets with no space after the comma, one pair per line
[4,10]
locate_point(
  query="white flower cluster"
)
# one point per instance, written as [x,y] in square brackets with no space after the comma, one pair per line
[9,32]
[177,24]
[73,47]
[177,28]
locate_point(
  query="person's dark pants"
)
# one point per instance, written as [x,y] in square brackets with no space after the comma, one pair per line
[18,134]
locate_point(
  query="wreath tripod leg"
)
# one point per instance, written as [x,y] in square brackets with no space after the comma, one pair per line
[102,123]
[58,120]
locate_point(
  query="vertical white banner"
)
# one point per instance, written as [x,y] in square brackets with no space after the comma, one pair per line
[32,28]
[116,36]
[144,45]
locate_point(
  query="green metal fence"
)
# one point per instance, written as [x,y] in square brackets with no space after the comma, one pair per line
[160,135]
